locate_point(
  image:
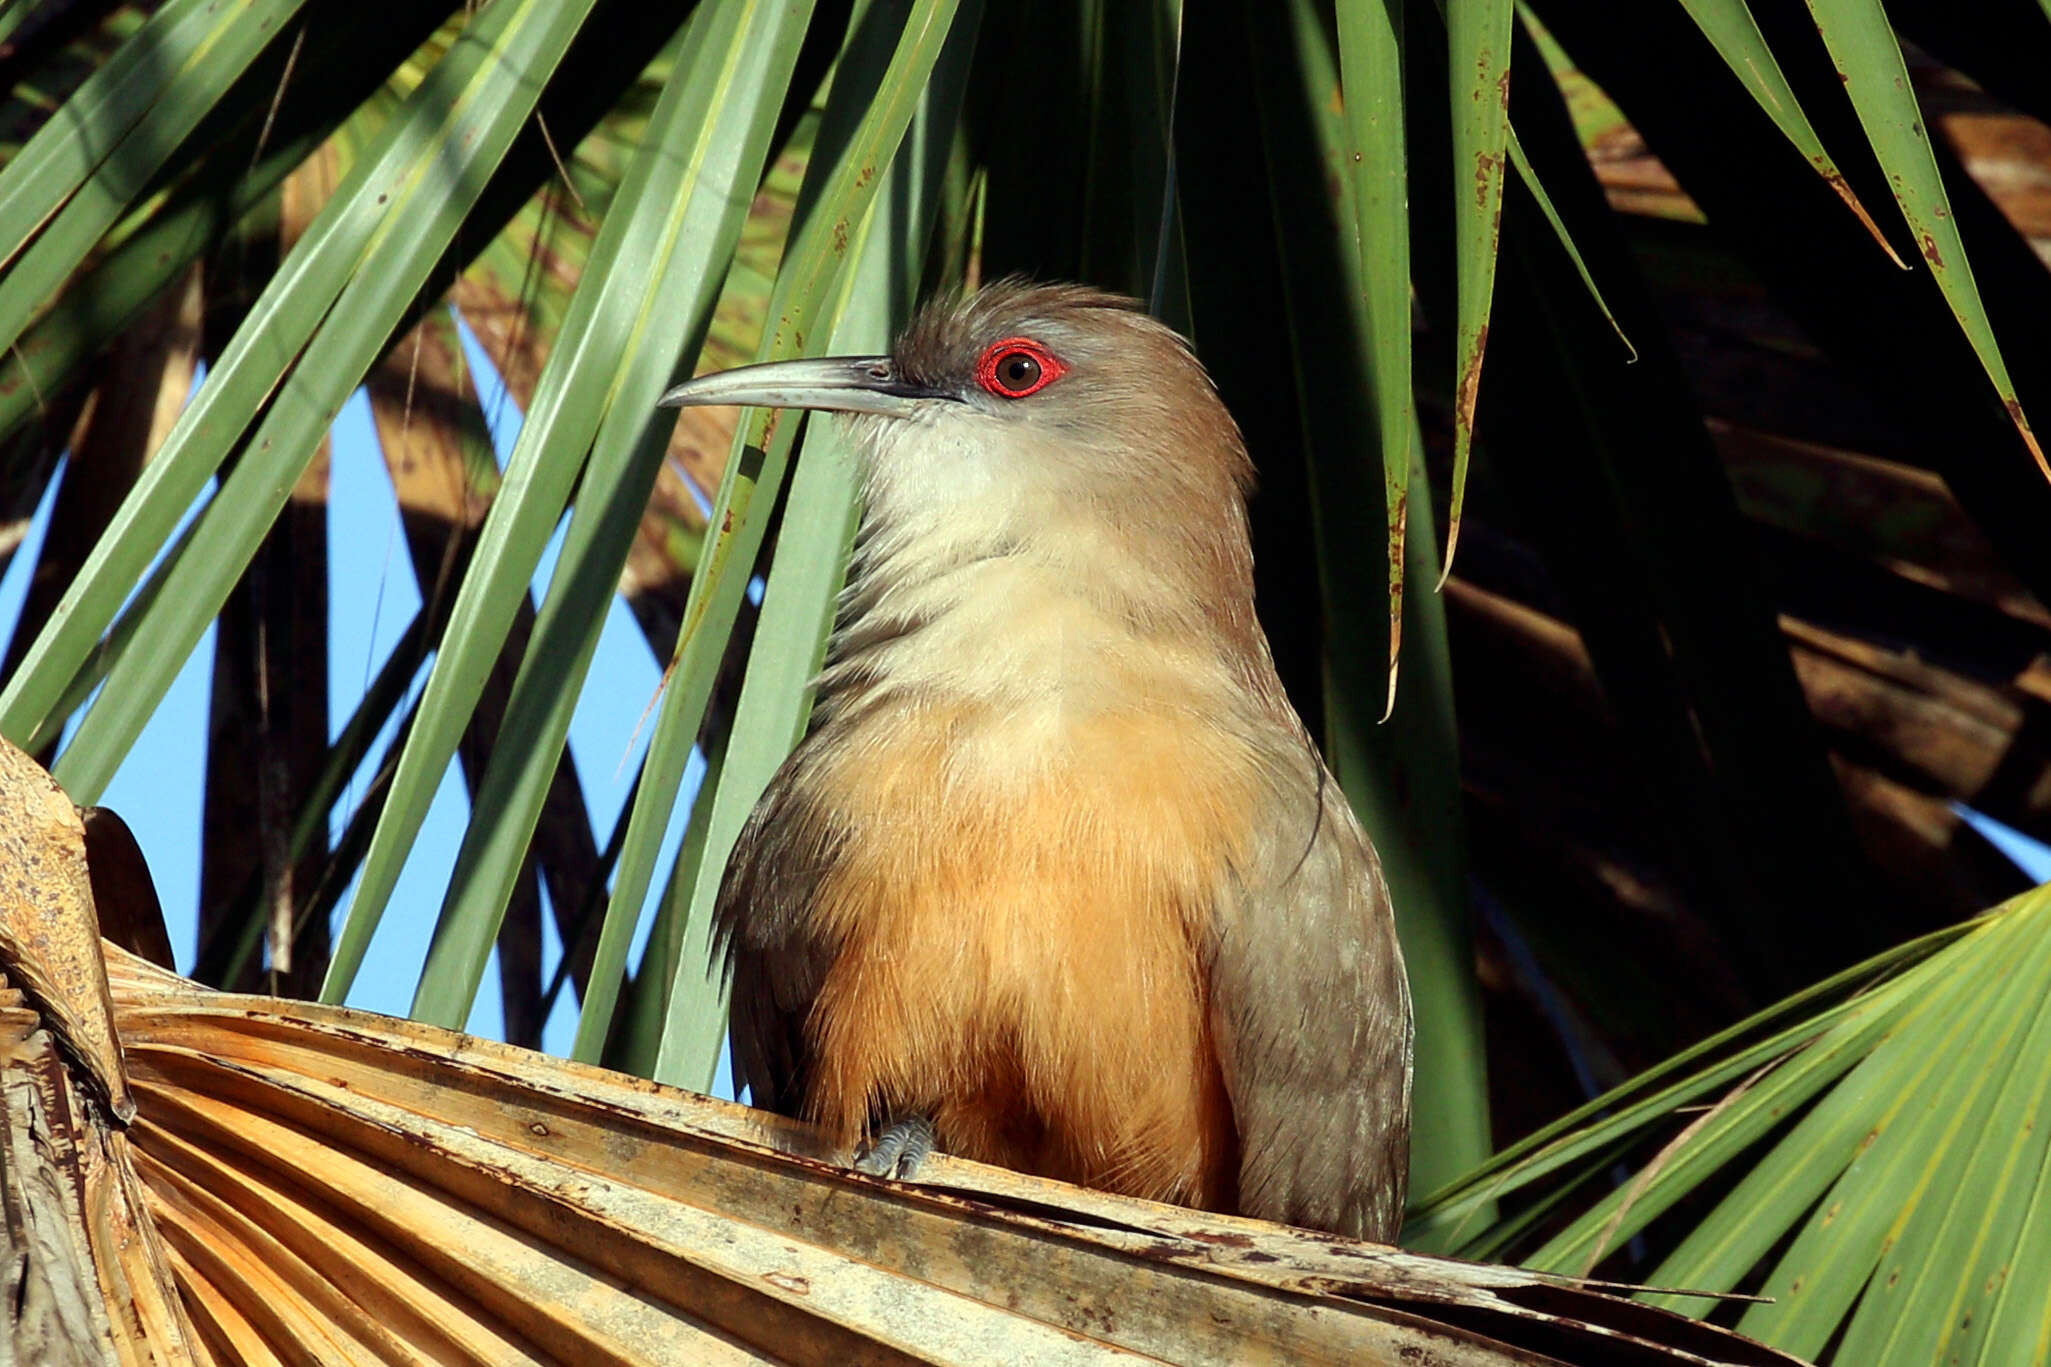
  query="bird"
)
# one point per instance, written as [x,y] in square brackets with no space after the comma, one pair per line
[1057,879]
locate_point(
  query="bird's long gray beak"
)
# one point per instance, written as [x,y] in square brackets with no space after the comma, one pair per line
[838,384]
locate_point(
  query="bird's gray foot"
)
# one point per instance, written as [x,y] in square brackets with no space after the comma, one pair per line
[898,1150]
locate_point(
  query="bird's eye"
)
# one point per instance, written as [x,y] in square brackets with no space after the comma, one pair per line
[1016,367]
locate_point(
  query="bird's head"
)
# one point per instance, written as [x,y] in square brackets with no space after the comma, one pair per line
[1032,397]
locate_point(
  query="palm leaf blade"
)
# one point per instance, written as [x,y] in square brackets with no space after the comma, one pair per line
[668,240]
[1868,57]
[1730,28]
[1371,74]
[1478,37]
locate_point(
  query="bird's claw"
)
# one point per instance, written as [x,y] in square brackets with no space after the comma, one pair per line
[899,1150]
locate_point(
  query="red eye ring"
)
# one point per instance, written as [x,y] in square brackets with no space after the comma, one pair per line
[1017,367]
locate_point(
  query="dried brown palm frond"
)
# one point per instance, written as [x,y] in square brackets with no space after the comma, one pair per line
[309,1184]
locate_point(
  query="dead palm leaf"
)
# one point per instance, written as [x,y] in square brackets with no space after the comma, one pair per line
[305,1183]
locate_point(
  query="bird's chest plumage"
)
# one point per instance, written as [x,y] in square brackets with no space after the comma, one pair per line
[1034,846]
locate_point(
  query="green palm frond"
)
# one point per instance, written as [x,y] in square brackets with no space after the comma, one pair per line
[1872,1150]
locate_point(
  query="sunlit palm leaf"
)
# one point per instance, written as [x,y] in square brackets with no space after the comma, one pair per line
[1729,25]
[316,331]
[123,425]
[1372,75]
[72,179]
[1886,1146]
[881,280]
[847,182]
[674,224]
[305,1183]
[1478,38]
[1869,60]
[321,1183]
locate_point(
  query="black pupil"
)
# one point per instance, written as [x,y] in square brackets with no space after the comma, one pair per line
[1018,371]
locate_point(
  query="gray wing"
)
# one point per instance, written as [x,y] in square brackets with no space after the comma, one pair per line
[1310,1012]
[763,920]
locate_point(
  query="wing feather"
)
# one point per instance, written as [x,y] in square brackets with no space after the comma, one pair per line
[1310,1012]
[764,921]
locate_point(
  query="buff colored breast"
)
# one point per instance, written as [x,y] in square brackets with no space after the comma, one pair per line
[1024,909]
